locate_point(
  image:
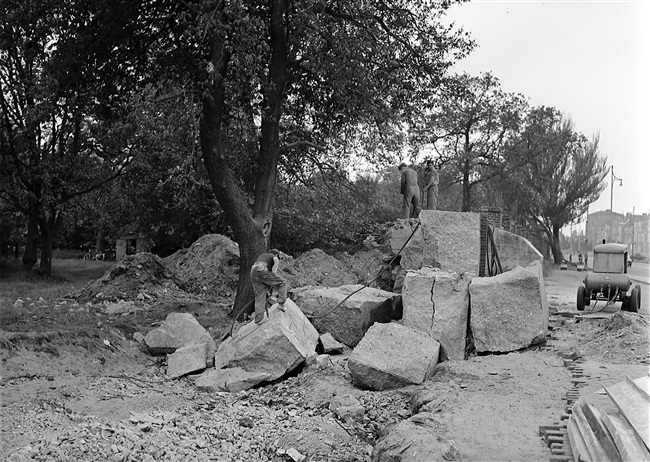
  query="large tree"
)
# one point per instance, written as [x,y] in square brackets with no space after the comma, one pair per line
[280,80]
[54,144]
[562,173]
[468,126]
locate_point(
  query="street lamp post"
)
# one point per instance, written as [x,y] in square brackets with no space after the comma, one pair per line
[611,203]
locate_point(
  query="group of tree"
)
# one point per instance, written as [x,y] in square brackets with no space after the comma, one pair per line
[176,117]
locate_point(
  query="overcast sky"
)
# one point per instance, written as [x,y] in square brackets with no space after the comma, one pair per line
[589,59]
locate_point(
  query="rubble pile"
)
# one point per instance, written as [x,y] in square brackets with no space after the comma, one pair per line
[142,276]
[623,338]
[315,268]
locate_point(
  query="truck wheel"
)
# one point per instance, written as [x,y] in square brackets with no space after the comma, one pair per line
[638,288]
[635,299]
[582,292]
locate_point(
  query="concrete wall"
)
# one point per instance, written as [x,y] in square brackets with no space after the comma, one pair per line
[515,250]
[447,240]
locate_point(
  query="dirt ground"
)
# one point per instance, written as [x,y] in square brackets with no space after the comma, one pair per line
[76,385]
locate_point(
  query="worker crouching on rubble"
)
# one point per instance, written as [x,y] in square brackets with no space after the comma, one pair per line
[265,277]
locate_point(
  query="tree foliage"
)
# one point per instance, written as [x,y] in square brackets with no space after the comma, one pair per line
[281,80]
[562,173]
[469,125]
[54,147]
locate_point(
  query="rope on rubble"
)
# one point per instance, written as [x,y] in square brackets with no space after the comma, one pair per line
[369,283]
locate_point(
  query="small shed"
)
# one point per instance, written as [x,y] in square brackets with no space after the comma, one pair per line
[128,245]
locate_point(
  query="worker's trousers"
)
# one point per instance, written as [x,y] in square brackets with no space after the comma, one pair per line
[263,281]
[411,204]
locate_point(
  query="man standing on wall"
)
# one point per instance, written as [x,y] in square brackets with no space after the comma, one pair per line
[411,192]
[431,187]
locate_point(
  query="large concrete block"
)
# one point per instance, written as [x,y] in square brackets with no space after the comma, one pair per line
[349,322]
[274,348]
[179,330]
[447,240]
[509,311]
[185,360]
[392,356]
[437,302]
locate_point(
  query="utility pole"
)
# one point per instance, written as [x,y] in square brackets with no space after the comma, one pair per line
[611,203]
[632,253]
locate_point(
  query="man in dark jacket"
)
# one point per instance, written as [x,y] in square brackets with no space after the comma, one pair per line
[411,191]
[265,277]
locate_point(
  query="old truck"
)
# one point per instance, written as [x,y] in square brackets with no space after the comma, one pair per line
[608,279]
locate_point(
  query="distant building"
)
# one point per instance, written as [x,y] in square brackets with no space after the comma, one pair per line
[615,227]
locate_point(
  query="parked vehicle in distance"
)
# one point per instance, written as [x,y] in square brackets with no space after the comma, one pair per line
[608,279]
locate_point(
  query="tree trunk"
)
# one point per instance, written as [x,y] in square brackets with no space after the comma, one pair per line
[49,227]
[47,236]
[466,187]
[556,246]
[251,230]
[30,257]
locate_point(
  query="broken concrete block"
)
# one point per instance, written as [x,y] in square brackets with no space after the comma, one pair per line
[415,439]
[437,302]
[392,356]
[329,344]
[179,330]
[233,380]
[276,347]
[349,322]
[447,240]
[347,407]
[187,359]
[509,310]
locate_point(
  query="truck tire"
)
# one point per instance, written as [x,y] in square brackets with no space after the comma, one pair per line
[638,287]
[635,299]
[582,295]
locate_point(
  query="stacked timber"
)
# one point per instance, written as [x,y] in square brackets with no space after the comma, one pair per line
[596,436]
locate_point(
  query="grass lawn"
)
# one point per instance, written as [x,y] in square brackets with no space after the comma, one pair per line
[67,275]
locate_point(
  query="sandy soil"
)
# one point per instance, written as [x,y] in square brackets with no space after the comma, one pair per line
[79,387]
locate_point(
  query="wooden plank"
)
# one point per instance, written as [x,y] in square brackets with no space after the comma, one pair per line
[578,446]
[627,441]
[593,446]
[599,430]
[634,405]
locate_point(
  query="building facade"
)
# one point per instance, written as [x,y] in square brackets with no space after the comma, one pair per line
[627,229]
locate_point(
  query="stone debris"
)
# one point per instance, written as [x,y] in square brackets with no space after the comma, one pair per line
[347,407]
[233,379]
[392,356]
[179,330]
[274,348]
[509,310]
[328,344]
[187,359]
[415,440]
[437,303]
[348,322]
[121,307]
